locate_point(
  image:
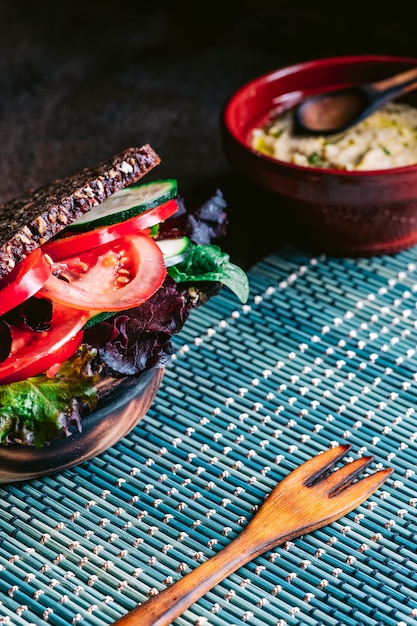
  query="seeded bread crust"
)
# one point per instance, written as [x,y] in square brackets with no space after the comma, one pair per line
[28,222]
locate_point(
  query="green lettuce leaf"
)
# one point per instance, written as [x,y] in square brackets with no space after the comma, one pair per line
[209,263]
[39,409]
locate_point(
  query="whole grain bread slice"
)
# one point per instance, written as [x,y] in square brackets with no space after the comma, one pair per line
[29,221]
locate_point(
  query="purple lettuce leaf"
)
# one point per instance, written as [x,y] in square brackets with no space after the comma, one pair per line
[207,222]
[135,340]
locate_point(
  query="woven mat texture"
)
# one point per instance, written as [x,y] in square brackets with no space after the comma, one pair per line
[324,352]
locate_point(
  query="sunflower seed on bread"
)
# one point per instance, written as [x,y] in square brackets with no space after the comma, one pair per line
[28,222]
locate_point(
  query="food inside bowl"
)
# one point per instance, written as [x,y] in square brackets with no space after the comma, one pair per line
[386,139]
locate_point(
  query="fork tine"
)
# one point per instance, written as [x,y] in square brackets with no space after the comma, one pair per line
[318,466]
[345,475]
[355,494]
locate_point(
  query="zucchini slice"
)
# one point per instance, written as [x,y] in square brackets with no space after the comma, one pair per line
[127,203]
[99,317]
[174,250]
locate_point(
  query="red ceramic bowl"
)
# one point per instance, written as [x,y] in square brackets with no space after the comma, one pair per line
[343,212]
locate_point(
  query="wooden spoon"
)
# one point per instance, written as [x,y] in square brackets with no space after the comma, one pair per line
[338,110]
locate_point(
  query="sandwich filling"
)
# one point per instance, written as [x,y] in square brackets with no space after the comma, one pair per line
[100,297]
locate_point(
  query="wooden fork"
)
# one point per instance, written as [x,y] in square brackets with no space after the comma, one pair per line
[310,497]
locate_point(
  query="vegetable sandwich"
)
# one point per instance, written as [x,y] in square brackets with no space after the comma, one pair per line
[97,272]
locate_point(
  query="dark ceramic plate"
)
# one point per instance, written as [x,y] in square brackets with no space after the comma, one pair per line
[118,414]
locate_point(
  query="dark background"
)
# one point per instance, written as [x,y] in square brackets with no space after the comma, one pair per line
[80,81]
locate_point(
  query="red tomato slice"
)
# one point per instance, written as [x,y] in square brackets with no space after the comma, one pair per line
[35,352]
[24,280]
[77,244]
[114,277]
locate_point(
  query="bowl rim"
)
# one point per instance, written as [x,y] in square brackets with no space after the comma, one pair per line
[276,74]
[114,417]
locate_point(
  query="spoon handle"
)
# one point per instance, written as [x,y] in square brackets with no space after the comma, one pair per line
[400,83]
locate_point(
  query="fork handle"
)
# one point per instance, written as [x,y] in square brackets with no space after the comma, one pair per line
[163,608]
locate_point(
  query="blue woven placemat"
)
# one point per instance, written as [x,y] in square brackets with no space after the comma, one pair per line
[323,353]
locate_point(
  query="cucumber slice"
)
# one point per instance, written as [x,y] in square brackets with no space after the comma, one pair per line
[100,317]
[174,250]
[127,203]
